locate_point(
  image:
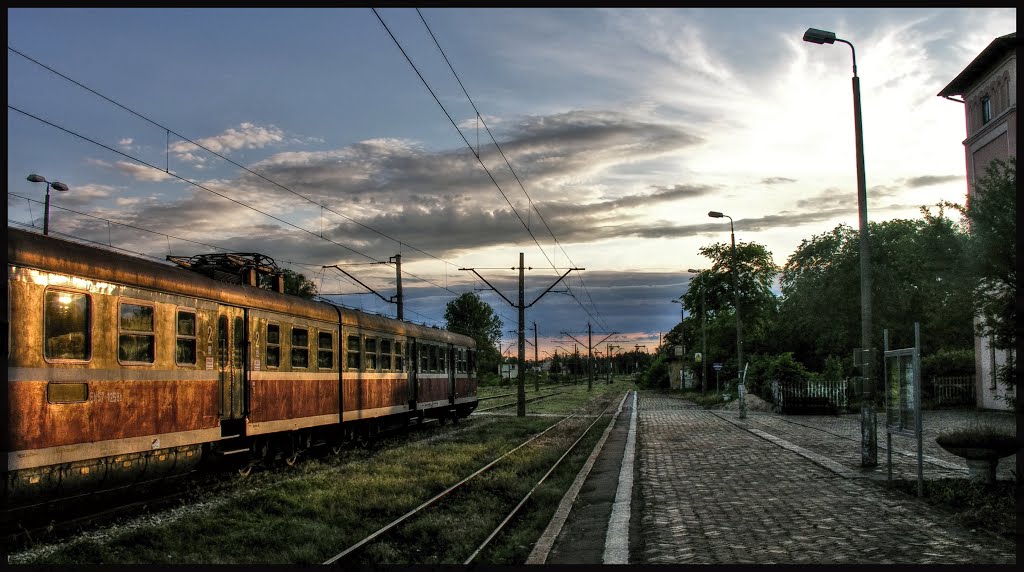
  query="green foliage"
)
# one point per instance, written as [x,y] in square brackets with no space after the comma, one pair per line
[992,213]
[471,316]
[655,376]
[946,362]
[970,504]
[834,370]
[295,284]
[916,276]
[780,367]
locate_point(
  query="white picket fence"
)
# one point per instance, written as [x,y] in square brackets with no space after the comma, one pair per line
[792,394]
[951,390]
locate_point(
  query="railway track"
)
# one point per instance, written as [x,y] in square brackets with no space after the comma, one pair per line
[25,525]
[352,554]
[512,403]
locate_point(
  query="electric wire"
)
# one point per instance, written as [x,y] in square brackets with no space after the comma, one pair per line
[507,163]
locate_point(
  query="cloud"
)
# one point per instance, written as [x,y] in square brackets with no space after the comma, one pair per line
[126,142]
[776,180]
[929,180]
[246,136]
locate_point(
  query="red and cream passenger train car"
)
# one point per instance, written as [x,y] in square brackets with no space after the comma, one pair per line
[121,368]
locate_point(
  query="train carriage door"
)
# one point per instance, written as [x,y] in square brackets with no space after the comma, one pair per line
[451,373]
[231,354]
[411,359]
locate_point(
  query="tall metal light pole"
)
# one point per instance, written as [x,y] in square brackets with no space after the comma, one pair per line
[703,336]
[46,210]
[869,439]
[740,389]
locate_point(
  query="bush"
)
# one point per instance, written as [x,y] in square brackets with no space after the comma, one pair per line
[655,376]
[946,362]
[781,367]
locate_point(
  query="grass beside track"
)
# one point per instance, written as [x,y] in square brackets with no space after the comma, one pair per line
[307,514]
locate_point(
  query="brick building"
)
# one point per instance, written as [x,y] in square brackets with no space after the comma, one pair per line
[988,86]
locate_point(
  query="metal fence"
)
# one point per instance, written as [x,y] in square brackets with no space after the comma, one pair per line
[951,390]
[793,394]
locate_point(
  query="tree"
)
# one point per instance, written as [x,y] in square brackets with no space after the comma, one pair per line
[470,315]
[992,214]
[295,284]
[917,275]
[758,305]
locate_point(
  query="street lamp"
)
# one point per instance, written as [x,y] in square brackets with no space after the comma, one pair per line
[46,210]
[869,442]
[703,335]
[740,389]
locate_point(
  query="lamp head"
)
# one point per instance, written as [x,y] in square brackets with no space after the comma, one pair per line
[675,301]
[59,186]
[816,36]
[694,270]
[715,214]
[36,178]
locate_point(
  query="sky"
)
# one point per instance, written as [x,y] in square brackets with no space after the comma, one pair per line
[319,144]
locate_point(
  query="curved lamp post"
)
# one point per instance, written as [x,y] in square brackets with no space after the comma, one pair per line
[869,443]
[740,389]
[703,336]
[46,210]
[682,329]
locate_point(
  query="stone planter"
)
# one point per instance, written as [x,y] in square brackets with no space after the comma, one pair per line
[982,453]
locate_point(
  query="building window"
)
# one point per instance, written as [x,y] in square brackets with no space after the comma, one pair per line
[136,342]
[986,109]
[66,326]
[353,352]
[185,346]
[325,350]
[385,355]
[273,345]
[300,347]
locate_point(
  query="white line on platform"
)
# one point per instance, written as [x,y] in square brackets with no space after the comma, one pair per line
[616,541]
[539,554]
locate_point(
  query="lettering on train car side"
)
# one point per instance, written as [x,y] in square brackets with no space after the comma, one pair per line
[209,347]
[256,351]
[108,396]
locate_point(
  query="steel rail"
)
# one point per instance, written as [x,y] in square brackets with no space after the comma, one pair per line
[437,497]
[522,502]
[510,404]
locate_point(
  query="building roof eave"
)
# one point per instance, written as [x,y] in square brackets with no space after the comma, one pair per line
[981,64]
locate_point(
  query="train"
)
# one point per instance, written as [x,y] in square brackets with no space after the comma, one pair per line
[122,369]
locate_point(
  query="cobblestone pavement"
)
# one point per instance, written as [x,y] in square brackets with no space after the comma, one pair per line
[713,492]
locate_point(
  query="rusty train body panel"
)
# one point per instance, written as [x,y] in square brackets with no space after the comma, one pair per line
[122,368]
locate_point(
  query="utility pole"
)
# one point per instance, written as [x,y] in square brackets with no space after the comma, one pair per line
[397,260]
[521,307]
[590,352]
[536,362]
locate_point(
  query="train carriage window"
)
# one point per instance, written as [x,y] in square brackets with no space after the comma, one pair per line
[273,345]
[471,361]
[433,359]
[442,360]
[385,355]
[399,356]
[67,329]
[185,346]
[353,353]
[136,341]
[371,354]
[424,358]
[325,350]
[300,347]
[460,360]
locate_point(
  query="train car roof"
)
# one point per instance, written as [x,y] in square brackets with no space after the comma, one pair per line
[33,250]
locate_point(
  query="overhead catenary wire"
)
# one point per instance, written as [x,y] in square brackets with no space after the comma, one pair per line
[497,146]
[475,153]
